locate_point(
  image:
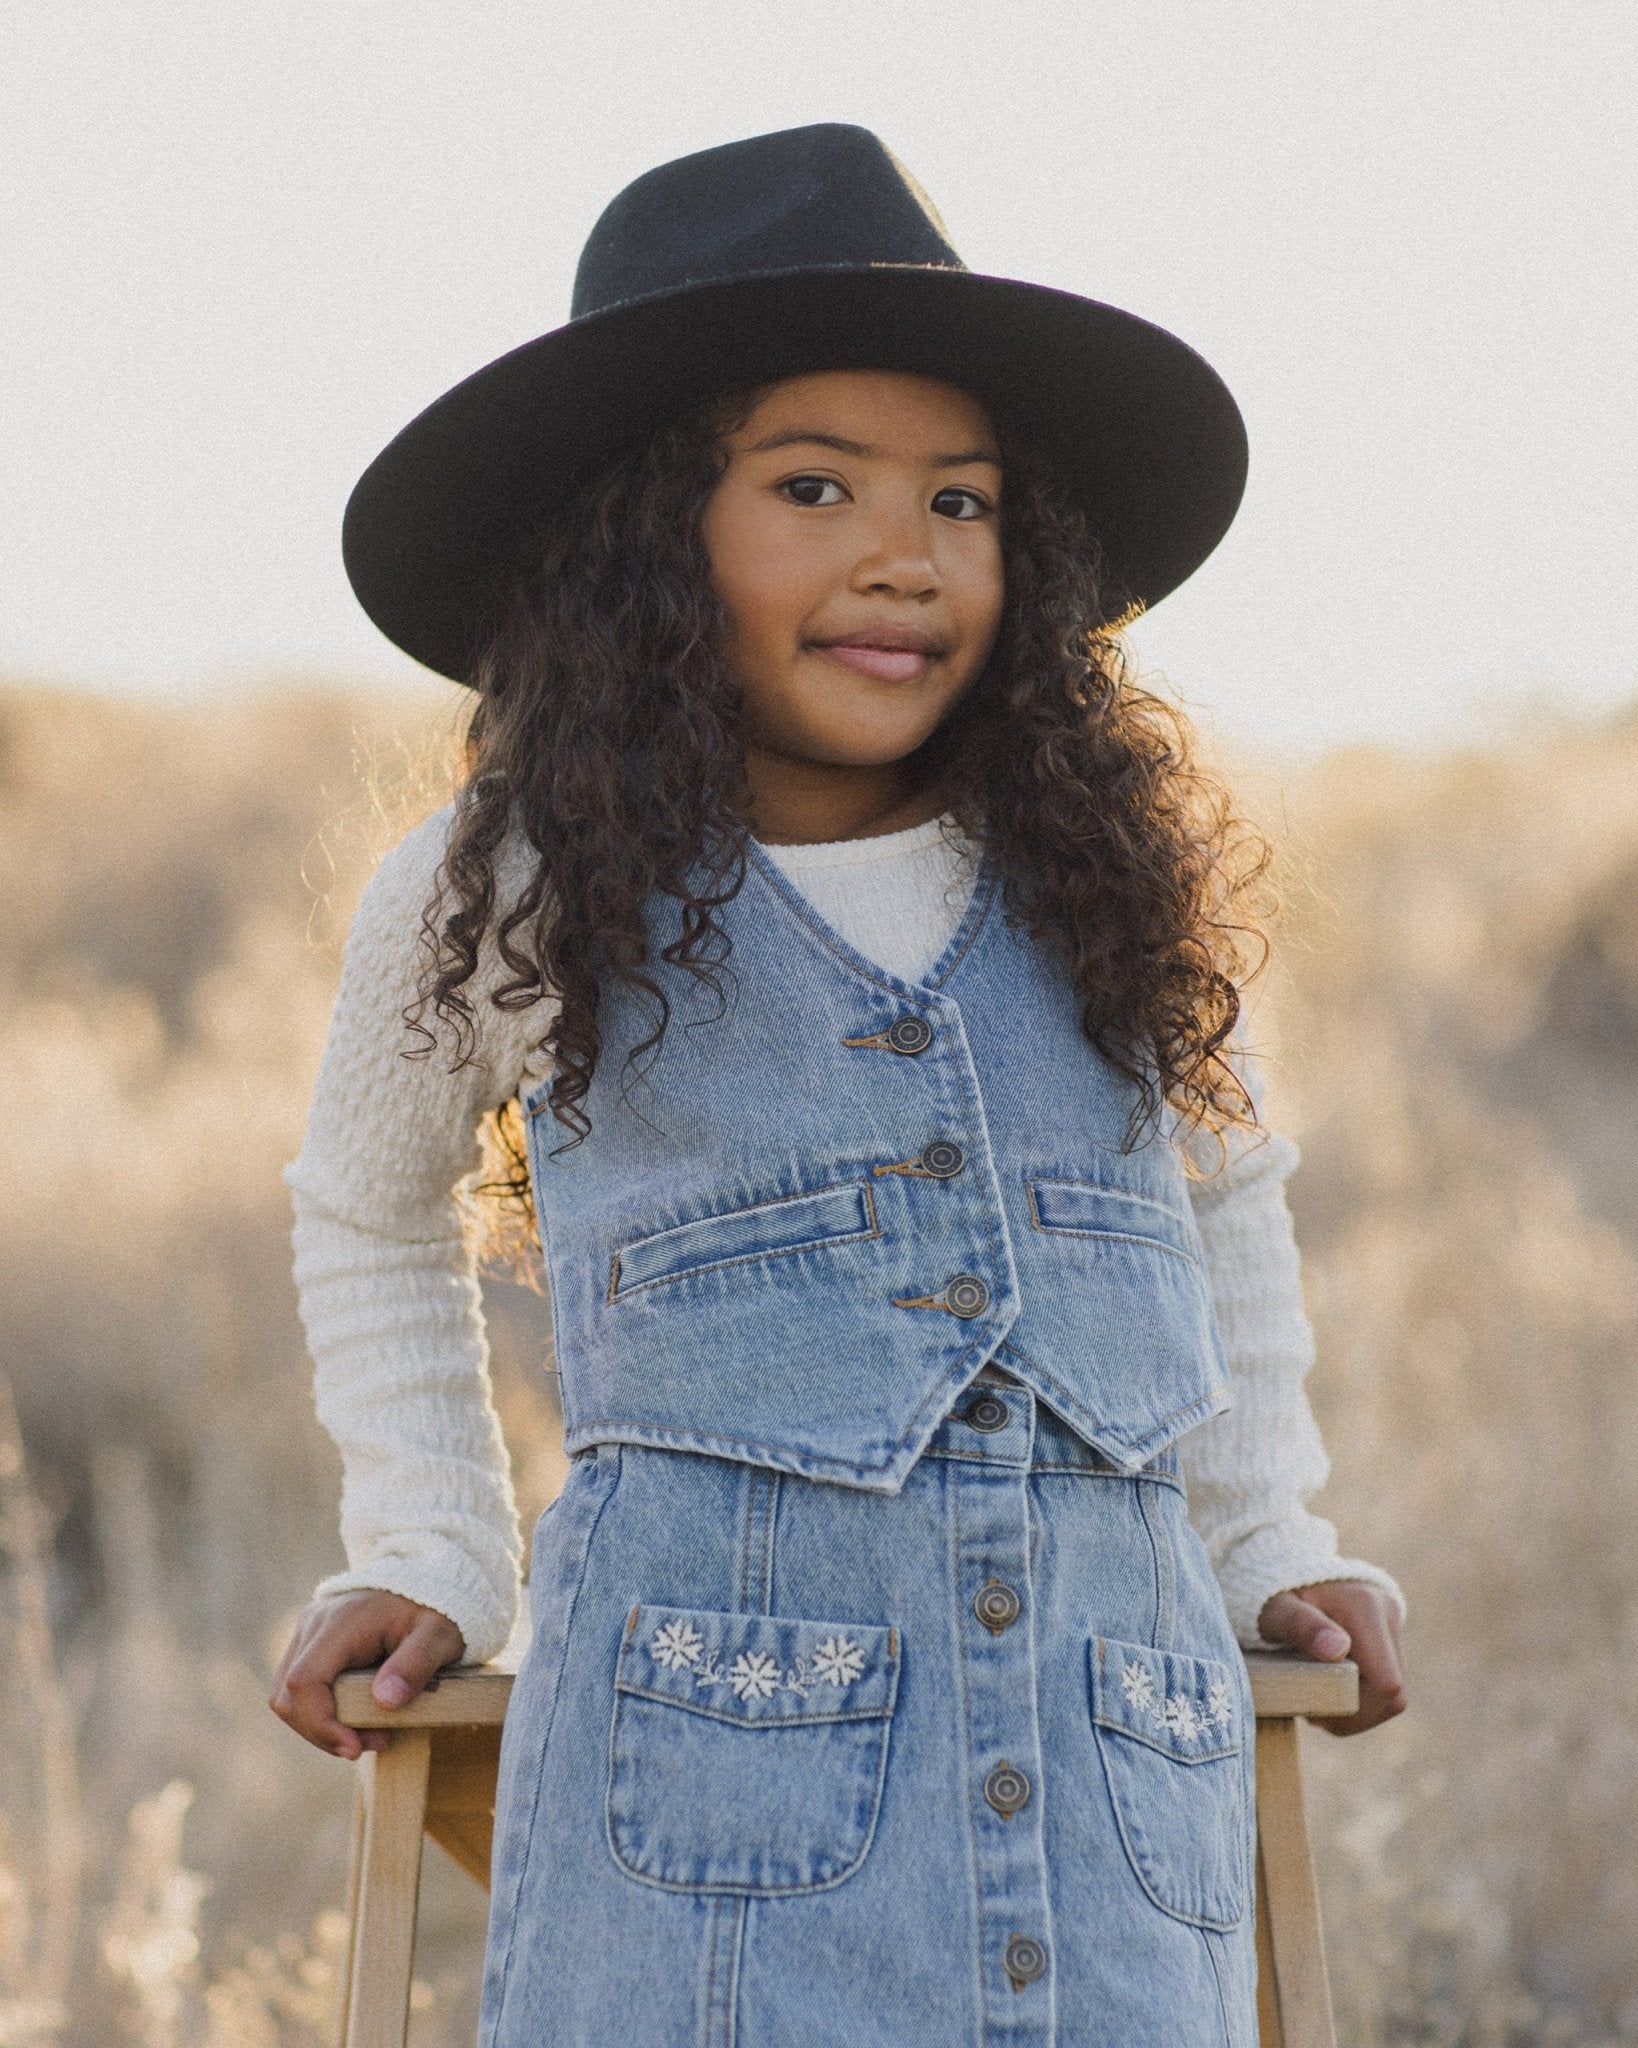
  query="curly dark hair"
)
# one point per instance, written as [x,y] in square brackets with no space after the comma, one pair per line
[607,733]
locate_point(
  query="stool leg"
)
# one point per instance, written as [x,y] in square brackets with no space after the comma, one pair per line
[393,1784]
[1293,1940]
[355,1872]
[1270,2034]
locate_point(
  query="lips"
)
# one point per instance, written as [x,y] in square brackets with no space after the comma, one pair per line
[891,655]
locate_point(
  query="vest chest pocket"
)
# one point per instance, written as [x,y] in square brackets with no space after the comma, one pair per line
[747,1752]
[791,1223]
[1171,1734]
[1074,1208]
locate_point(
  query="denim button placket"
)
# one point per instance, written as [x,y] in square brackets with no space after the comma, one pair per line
[910,1035]
[998,1694]
[987,1413]
[1007,1789]
[1025,1960]
[942,1160]
[996,1606]
[966,1295]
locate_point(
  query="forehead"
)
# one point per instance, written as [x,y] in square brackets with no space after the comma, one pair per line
[879,406]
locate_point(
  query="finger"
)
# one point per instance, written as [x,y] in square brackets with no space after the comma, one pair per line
[309,1706]
[343,1639]
[1381,1679]
[1288,1618]
[432,1643]
[1382,1692]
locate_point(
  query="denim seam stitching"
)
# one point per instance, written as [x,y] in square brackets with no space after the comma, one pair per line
[969,1762]
[545,1740]
[661,1437]
[1165,1575]
[633,1690]
[1052,1381]
[736,1941]
[1217,1979]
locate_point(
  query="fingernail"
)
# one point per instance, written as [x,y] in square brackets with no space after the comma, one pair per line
[391,1691]
[1330,1642]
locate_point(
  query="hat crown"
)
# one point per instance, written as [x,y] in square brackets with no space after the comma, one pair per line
[828,196]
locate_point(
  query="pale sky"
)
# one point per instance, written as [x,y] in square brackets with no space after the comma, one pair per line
[243,244]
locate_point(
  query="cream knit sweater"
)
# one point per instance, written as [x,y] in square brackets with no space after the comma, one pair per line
[390,1302]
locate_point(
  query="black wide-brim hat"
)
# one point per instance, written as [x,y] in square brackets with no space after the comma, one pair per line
[811,249]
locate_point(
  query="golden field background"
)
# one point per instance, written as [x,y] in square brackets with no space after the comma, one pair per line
[1455,1016]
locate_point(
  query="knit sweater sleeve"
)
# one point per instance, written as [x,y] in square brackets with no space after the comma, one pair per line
[1251,1470]
[386,1277]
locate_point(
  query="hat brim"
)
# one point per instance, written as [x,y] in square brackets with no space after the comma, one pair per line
[1143,430]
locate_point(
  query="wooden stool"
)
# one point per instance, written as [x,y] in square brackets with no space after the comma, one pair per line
[437,1777]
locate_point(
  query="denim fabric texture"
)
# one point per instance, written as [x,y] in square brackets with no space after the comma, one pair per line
[752,1254]
[795,1764]
[880,1692]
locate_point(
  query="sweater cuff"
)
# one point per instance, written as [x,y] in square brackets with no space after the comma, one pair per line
[1278,1560]
[483,1611]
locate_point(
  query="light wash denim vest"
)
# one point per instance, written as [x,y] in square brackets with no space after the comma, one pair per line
[833,1196]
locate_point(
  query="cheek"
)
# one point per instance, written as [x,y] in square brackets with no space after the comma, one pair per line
[760,607]
[979,594]
[757,589]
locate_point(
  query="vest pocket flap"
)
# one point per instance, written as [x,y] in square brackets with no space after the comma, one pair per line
[759,1670]
[1186,1707]
[1090,1209]
[791,1224]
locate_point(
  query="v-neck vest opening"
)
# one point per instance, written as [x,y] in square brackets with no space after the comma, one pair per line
[806,913]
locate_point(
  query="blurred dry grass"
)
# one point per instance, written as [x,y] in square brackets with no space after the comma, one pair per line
[1456,1013]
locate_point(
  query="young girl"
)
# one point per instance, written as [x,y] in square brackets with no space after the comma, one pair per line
[858,949]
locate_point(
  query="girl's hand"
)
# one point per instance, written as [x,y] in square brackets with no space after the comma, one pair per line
[346,1631]
[1328,1620]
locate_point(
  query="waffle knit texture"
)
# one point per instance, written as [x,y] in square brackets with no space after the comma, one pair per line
[389,1295]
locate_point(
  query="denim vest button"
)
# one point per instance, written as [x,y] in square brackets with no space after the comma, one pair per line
[942,1159]
[1025,1960]
[1007,1789]
[966,1296]
[910,1034]
[996,1606]
[988,1412]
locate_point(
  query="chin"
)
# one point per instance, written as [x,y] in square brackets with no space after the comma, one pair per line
[864,757]
[855,749]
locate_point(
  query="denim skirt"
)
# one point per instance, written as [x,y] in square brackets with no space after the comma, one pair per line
[793,1765]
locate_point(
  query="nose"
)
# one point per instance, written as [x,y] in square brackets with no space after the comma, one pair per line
[896,554]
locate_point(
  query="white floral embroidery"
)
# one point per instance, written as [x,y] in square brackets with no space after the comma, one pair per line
[676,1645]
[1181,1714]
[1178,1714]
[838,1660]
[755,1675]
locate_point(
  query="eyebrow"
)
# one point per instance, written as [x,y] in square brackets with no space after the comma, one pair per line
[798,436]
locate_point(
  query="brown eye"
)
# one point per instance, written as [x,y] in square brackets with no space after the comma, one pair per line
[953,503]
[807,490]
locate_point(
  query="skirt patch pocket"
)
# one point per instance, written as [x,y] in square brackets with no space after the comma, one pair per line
[747,1751]
[1170,1730]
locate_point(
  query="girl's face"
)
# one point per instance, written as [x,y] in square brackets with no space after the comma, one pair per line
[854,539]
